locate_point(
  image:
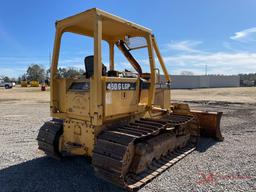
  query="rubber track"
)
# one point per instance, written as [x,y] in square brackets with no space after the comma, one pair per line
[48,136]
[113,143]
[156,168]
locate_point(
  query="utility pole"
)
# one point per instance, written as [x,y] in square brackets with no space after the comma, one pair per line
[50,59]
[50,63]
[206,69]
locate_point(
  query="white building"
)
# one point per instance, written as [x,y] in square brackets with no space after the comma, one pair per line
[204,81]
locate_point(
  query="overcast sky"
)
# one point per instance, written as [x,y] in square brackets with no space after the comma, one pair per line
[191,34]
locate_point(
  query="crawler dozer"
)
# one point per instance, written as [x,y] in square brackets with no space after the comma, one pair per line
[125,121]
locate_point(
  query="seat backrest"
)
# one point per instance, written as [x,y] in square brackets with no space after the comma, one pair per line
[88,63]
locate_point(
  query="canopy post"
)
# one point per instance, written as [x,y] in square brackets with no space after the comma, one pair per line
[160,59]
[54,68]
[151,94]
[96,107]
[111,56]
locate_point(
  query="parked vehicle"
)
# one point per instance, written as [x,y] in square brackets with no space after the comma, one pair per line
[7,85]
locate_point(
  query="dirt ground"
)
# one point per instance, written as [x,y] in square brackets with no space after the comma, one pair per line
[238,95]
[226,166]
[24,95]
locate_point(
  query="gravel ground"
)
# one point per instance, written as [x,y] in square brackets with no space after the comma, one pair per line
[224,166]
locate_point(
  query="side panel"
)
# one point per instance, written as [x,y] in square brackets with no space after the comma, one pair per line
[144,96]
[78,103]
[120,96]
[71,103]
[163,98]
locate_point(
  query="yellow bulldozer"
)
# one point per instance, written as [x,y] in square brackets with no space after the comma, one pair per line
[34,83]
[125,121]
[24,83]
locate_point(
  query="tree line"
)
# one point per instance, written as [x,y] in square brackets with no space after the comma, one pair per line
[36,72]
[250,76]
[248,79]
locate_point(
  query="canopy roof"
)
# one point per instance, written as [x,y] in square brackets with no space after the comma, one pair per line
[113,27]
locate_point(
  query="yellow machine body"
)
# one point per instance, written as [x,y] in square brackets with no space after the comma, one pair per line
[86,112]
[83,108]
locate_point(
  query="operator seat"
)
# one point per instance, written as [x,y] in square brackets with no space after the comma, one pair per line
[89,63]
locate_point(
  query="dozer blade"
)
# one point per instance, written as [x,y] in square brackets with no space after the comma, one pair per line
[209,123]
